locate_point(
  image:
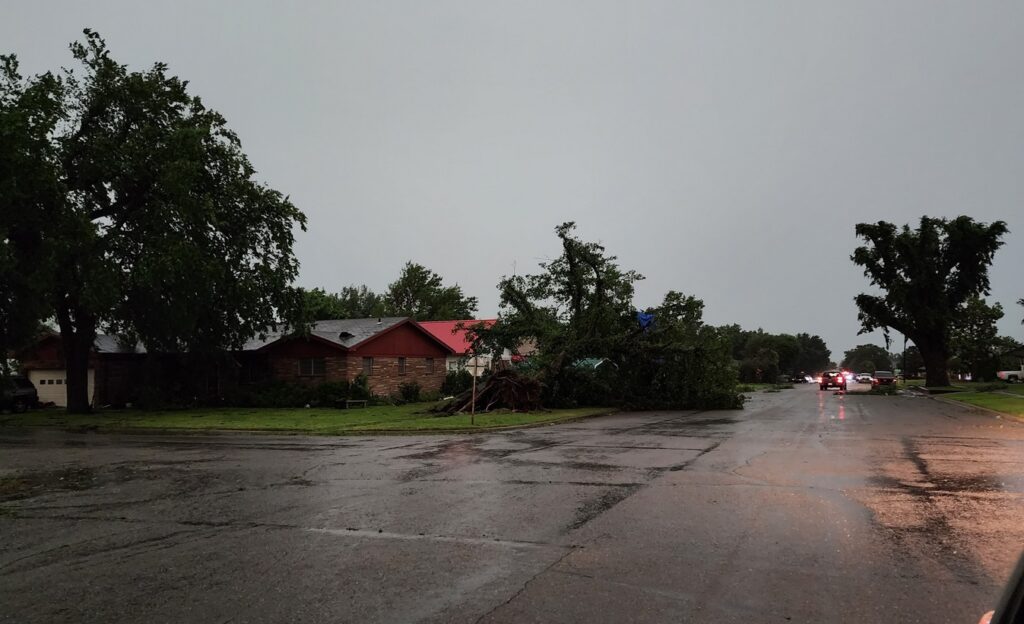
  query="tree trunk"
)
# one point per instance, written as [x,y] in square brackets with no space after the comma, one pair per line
[936,364]
[77,337]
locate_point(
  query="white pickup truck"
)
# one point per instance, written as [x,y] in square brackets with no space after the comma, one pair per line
[1012,376]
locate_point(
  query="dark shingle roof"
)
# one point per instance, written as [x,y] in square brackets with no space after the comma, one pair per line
[345,333]
[113,344]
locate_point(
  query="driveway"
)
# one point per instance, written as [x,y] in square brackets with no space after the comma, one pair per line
[805,507]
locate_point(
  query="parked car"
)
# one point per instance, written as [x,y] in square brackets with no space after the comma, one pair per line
[1011,376]
[864,378]
[883,378]
[832,379]
[18,394]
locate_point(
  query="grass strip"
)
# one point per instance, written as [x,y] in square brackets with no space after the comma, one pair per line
[1010,404]
[324,421]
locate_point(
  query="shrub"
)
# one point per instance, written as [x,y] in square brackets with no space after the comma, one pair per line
[282,394]
[456,382]
[157,397]
[989,387]
[330,392]
[360,388]
[409,392]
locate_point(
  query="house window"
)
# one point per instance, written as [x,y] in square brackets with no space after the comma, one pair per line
[367,366]
[401,366]
[60,382]
[311,367]
[430,366]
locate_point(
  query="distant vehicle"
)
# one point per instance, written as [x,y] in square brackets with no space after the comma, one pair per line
[1011,376]
[797,379]
[832,379]
[864,378]
[809,379]
[883,378]
[17,394]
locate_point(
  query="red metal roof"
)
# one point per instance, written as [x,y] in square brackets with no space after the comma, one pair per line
[459,340]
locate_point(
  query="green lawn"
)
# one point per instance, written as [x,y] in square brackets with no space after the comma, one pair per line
[973,386]
[410,418]
[762,387]
[998,401]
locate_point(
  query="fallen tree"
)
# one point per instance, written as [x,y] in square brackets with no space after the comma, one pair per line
[505,389]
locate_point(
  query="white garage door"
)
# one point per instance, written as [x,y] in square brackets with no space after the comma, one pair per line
[51,384]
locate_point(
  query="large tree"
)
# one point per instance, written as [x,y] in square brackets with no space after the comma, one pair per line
[136,213]
[927,275]
[814,354]
[420,293]
[866,358]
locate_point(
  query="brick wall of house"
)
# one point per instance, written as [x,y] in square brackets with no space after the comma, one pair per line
[287,369]
[386,379]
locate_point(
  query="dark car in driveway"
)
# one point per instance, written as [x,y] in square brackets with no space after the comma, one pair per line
[832,379]
[17,394]
[883,378]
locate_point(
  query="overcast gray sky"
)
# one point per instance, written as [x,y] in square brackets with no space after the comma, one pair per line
[724,149]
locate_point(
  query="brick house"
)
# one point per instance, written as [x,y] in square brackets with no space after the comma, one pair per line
[389,351]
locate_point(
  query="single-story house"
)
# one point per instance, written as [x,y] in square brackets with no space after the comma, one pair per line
[389,351]
[113,370]
[459,338]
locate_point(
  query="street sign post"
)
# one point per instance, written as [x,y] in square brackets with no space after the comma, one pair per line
[474,363]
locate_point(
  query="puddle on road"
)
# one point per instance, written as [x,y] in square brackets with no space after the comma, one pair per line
[597,506]
[707,422]
[475,448]
[921,511]
[29,484]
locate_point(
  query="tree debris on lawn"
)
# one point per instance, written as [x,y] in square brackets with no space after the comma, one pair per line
[505,389]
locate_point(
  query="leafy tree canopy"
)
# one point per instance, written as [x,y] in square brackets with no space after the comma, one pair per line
[580,308]
[813,356]
[973,340]
[131,207]
[866,358]
[351,302]
[913,364]
[927,276]
[420,293]
[763,356]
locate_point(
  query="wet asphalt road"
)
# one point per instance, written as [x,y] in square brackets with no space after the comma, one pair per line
[804,507]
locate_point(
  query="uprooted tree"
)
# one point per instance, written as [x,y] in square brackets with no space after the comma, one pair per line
[928,275]
[591,348]
[505,389]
